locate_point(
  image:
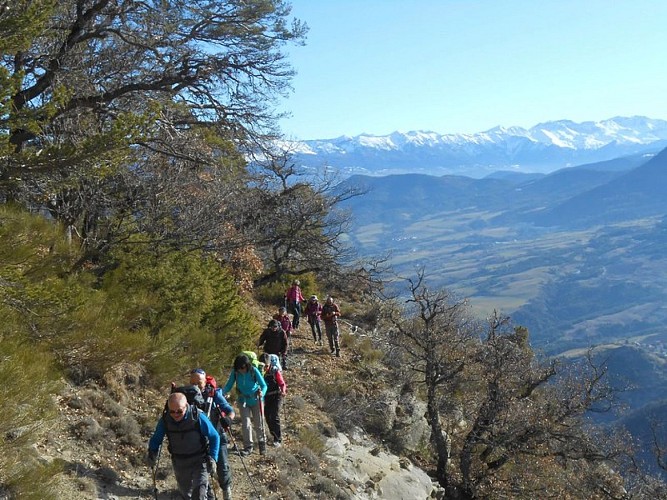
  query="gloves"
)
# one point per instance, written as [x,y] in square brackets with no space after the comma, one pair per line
[225,422]
[211,466]
[151,458]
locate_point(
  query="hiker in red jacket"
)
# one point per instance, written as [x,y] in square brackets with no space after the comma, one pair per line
[293,298]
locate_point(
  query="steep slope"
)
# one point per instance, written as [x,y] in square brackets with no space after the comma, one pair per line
[102,434]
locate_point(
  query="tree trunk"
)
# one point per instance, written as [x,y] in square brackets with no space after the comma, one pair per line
[438,437]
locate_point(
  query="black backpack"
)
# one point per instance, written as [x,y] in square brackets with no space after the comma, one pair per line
[193,395]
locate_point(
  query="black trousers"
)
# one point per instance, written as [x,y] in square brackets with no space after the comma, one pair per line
[272,405]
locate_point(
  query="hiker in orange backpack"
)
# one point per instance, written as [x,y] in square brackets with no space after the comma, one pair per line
[293,298]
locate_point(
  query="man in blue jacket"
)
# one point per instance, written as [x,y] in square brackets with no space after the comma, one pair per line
[221,414]
[193,444]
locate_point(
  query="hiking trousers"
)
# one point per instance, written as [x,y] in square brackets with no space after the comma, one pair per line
[224,471]
[191,477]
[251,420]
[316,328]
[296,312]
[332,336]
[272,405]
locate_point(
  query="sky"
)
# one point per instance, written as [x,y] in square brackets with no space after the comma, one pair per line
[465,66]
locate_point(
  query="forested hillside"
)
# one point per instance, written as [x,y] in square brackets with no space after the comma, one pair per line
[147,226]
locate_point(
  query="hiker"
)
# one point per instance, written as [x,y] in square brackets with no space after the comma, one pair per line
[274,340]
[251,388]
[313,312]
[221,414]
[286,325]
[276,390]
[193,444]
[293,299]
[330,314]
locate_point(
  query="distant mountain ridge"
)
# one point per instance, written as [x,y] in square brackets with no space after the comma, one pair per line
[543,148]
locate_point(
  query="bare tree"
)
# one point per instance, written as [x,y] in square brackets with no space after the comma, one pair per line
[530,416]
[298,221]
[434,335]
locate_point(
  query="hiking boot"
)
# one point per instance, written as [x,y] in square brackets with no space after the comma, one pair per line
[227,493]
[262,447]
[338,354]
[333,351]
[277,444]
[246,451]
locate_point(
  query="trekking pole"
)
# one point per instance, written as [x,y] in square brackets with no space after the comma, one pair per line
[157,462]
[261,415]
[228,430]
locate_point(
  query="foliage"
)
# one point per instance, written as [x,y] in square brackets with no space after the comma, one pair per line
[121,118]
[273,292]
[27,371]
[185,302]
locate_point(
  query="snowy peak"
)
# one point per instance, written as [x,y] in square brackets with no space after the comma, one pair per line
[542,148]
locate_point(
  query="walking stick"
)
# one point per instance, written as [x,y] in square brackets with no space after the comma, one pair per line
[228,430]
[261,416]
[157,461]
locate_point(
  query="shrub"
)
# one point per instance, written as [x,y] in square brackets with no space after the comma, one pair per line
[312,440]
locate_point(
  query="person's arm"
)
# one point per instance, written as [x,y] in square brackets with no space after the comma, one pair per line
[222,403]
[230,382]
[156,439]
[209,431]
[280,380]
[262,339]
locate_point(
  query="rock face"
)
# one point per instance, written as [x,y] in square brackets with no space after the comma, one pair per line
[374,474]
[399,420]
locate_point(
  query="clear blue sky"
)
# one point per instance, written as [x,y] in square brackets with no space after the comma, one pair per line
[464,66]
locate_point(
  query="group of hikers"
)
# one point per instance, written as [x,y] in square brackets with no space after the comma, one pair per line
[197,417]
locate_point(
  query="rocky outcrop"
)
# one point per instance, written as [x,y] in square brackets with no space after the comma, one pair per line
[373,473]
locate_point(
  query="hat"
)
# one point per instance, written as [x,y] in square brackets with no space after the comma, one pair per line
[198,371]
[313,297]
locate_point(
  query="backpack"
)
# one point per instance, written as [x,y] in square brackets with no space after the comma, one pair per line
[210,387]
[193,395]
[274,360]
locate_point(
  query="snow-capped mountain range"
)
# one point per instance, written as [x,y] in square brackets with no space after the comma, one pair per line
[543,148]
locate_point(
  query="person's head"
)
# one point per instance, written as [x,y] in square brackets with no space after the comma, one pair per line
[178,405]
[198,378]
[313,298]
[274,324]
[296,283]
[242,363]
[282,310]
[265,358]
[330,299]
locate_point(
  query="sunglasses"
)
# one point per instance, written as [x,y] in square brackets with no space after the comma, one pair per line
[180,411]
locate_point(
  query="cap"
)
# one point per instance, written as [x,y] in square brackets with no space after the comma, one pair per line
[313,297]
